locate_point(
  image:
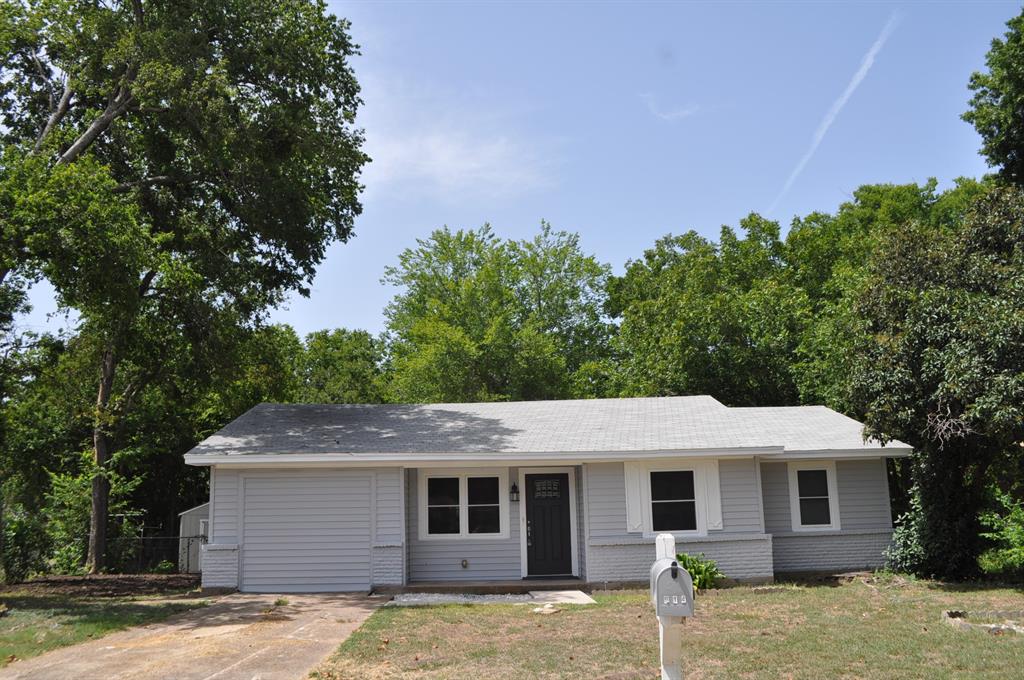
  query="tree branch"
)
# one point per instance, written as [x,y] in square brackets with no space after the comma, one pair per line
[117,106]
[156,180]
[147,281]
[55,117]
[45,78]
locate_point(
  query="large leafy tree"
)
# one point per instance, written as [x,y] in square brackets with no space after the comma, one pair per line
[478,318]
[700,317]
[341,366]
[173,168]
[827,256]
[997,107]
[943,368]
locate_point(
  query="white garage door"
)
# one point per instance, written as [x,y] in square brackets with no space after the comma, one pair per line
[306,531]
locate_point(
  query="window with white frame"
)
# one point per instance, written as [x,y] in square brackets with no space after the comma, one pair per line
[454,504]
[814,502]
[444,511]
[673,500]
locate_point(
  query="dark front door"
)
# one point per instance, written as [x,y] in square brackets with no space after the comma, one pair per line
[548,538]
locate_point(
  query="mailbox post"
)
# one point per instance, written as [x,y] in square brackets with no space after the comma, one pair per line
[672,596]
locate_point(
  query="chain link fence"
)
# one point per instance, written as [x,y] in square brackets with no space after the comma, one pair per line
[154,554]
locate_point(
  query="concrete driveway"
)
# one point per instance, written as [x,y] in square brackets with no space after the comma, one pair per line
[237,637]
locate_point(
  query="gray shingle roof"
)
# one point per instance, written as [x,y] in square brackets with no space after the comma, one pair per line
[695,423]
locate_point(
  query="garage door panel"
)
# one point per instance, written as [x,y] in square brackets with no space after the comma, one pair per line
[306,533]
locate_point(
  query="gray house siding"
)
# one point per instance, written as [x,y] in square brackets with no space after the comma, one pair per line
[305,529]
[437,560]
[741,509]
[224,506]
[864,513]
[387,549]
[742,550]
[581,522]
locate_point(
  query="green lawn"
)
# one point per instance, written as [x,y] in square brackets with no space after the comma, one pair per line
[870,628]
[37,623]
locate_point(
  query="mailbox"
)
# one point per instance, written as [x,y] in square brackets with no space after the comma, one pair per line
[671,589]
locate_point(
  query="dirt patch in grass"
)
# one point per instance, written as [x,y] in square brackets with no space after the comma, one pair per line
[105,585]
[868,628]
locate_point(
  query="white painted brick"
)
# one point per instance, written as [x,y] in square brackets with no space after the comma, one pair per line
[220,568]
[743,560]
[388,565]
[832,552]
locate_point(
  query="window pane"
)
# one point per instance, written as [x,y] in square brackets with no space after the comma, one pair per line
[676,516]
[812,483]
[442,520]
[483,491]
[484,520]
[671,486]
[443,491]
[814,511]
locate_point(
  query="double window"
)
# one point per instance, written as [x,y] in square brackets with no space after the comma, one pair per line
[814,502]
[456,504]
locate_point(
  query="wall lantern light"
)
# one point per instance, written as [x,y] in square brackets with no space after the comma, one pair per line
[513,494]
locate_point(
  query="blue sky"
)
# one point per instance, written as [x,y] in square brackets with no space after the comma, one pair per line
[625,122]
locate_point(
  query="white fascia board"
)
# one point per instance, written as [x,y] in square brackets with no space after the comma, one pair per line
[866,453]
[475,459]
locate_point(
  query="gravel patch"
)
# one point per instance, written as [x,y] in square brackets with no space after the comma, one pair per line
[533,597]
[420,599]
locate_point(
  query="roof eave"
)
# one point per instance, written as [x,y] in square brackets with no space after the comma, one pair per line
[417,459]
[890,451]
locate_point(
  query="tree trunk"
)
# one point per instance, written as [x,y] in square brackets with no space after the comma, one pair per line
[96,560]
[952,484]
[3,565]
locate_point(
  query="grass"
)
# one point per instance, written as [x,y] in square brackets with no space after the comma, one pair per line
[878,627]
[38,623]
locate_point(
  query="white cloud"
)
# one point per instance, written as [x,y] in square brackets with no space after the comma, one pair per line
[865,65]
[668,114]
[449,147]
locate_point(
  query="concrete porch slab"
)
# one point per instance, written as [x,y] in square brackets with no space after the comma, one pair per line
[517,586]
[562,597]
[537,597]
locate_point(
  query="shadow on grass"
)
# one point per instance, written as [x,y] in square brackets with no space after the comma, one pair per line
[107,615]
[974,586]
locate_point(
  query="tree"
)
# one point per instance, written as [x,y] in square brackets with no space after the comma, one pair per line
[719,319]
[482,319]
[173,168]
[943,368]
[827,256]
[998,101]
[341,367]
[561,292]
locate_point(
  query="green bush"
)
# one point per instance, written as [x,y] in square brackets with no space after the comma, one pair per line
[1007,557]
[25,545]
[905,553]
[165,567]
[704,572]
[68,505]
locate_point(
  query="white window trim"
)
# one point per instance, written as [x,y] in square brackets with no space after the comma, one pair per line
[829,466]
[573,518]
[699,492]
[463,474]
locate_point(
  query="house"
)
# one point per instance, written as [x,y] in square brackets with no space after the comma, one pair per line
[193,528]
[352,497]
